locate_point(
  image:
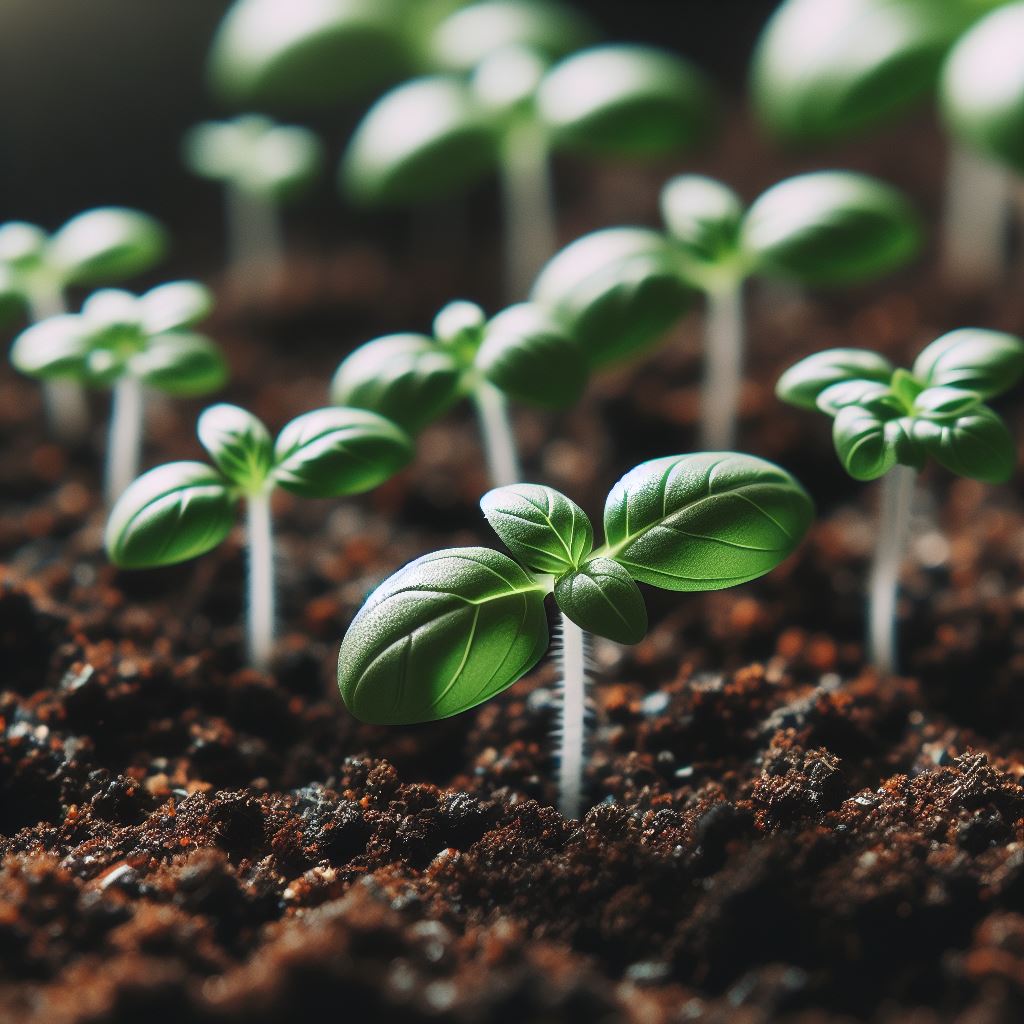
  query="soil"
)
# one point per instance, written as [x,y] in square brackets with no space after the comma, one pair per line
[772,833]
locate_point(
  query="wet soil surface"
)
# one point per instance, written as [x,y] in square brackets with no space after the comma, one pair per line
[772,834]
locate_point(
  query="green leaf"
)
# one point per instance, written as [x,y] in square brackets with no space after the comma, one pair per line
[529,357]
[704,521]
[170,514]
[181,364]
[444,634]
[703,217]
[982,87]
[864,446]
[22,245]
[540,526]
[460,327]
[602,598]
[107,244]
[987,362]
[803,382]
[57,347]
[329,453]
[945,403]
[174,305]
[238,443]
[425,139]
[617,291]
[976,445]
[408,378]
[830,228]
[625,100]
[875,398]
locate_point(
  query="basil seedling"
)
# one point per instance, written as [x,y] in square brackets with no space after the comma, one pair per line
[127,342]
[618,290]
[261,165]
[97,247]
[438,134]
[183,509]
[413,379]
[456,627]
[887,422]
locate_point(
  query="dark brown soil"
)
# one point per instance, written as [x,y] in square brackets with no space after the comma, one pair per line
[772,834]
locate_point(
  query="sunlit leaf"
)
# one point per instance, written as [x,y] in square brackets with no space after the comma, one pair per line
[602,598]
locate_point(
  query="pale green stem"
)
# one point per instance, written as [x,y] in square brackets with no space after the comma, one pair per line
[572,722]
[530,232]
[255,247]
[261,616]
[890,550]
[723,375]
[498,438]
[125,440]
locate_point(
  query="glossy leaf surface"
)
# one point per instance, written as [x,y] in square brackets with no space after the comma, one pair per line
[238,443]
[177,304]
[57,347]
[180,363]
[988,362]
[802,383]
[106,244]
[602,598]
[863,444]
[977,445]
[703,217]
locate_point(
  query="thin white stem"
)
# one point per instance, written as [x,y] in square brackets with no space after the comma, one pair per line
[125,441]
[976,219]
[497,434]
[890,550]
[261,613]
[530,234]
[723,375]
[572,723]
[255,246]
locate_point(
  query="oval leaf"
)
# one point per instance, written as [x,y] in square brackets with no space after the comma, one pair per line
[329,453]
[803,382]
[22,245]
[945,403]
[862,443]
[107,244]
[238,443]
[174,305]
[408,378]
[875,398]
[170,514]
[57,347]
[442,635]
[977,445]
[986,362]
[181,364]
[602,598]
[704,521]
[703,217]
[540,526]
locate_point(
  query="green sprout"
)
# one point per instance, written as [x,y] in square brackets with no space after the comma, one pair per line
[413,379]
[887,422]
[825,70]
[99,246]
[261,164]
[619,290]
[127,342]
[435,135]
[457,627]
[182,510]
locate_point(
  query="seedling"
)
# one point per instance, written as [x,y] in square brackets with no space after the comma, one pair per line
[127,342]
[829,69]
[618,290]
[97,247]
[887,422]
[183,509]
[456,627]
[261,165]
[435,135]
[414,379]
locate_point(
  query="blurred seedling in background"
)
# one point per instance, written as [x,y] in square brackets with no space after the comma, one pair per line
[618,290]
[99,246]
[414,379]
[182,510]
[826,70]
[456,627]
[127,343]
[262,165]
[887,422]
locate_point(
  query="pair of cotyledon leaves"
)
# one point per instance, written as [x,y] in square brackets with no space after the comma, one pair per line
[619,290]
[118,334]
[183,509]
[98,246]
[825,69]
[884,416]
[458,626]
[412,378]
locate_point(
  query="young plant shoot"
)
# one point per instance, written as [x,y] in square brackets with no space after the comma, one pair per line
[618,290]
[456,627]
[413,379]
[888,421]
[97,247]
[261,164]
[183,509]
[435,135]
[127,343]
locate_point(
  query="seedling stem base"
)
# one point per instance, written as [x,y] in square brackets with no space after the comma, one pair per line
[572,724]
[723,354]
[261,613]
